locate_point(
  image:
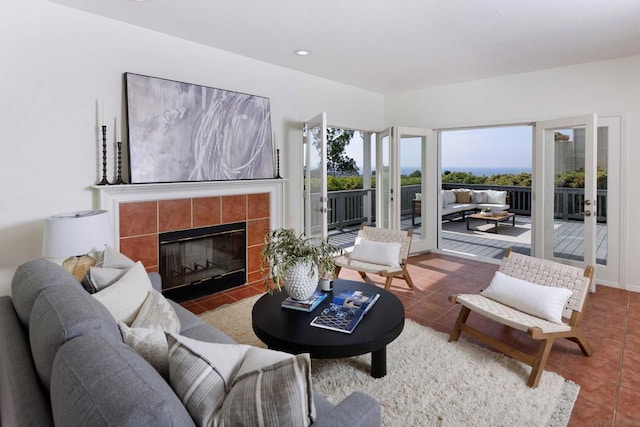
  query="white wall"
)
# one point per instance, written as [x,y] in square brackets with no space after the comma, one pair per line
[58,63]
[602,87]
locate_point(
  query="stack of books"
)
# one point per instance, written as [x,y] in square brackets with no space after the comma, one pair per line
[307,305]
[345,311]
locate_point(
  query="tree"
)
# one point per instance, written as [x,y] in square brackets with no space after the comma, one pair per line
[338,163]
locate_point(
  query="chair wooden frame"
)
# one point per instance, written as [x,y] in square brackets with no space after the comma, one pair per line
[542,272]
[380,235]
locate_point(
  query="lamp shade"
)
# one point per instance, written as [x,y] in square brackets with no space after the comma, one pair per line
[76,233]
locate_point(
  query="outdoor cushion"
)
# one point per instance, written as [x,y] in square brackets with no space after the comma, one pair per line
[448,197]
[383,253]
[546,302]
[496,197]
[462,196]
[478,196]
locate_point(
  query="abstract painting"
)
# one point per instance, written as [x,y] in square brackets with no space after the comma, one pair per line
[185,132]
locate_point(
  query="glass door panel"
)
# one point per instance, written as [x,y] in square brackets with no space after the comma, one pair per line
[565,178]
[413,199]
[315,177]
[383,179]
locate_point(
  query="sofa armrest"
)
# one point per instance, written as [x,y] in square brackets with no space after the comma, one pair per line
[357,410]
[156,280]
[23,401]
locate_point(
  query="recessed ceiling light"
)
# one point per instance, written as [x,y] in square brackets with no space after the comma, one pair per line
[301,52]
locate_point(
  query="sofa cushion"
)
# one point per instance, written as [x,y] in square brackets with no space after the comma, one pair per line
[462,195]
[60,314]
[496,197]
[30,279]
[448,197]
[234,384]
[124,298]
[204,332]
[478,196]
[100,381]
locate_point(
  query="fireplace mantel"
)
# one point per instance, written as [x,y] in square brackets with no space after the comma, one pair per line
[110,196]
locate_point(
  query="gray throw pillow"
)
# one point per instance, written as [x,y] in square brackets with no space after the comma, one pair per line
[150,344]
[157,313]
[227,384]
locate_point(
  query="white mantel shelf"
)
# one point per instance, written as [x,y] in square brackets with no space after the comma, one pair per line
[110,196]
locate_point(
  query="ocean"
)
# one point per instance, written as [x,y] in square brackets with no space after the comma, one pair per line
[478,171]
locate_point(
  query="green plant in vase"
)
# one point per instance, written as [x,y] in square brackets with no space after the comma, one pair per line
[292,261]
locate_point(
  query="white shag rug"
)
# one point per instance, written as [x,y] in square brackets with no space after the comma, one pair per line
[429,381]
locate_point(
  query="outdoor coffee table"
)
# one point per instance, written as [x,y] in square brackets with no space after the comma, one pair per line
[289,330]
[495,218]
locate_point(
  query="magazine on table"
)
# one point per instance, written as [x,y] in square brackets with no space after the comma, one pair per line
[306,305]
[345,311]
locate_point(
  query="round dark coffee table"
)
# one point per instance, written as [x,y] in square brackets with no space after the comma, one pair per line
[289,330]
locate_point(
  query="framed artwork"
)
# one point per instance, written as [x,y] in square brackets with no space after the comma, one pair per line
[185,132]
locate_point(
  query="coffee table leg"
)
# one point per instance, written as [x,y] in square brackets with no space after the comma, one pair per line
[379,362]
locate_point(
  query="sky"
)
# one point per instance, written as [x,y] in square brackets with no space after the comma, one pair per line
[507,146]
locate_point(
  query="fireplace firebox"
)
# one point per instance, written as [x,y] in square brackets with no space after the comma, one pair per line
[201,261]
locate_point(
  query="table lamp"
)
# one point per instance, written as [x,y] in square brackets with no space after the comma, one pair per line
[76,235]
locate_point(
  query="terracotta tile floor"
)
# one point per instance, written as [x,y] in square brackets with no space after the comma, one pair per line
[609,379]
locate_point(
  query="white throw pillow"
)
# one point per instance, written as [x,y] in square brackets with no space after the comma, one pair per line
[229,384]
[496,197]
[546,302]
[124,298]
[114,259]
[377,252]
[449,197]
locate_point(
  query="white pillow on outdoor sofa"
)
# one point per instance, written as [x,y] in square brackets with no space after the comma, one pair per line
[546,302]
[377,252]
[496,197]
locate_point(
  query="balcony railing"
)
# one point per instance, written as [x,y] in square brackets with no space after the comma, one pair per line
[349,207]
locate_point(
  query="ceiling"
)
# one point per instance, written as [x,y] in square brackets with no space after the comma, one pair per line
[390,46]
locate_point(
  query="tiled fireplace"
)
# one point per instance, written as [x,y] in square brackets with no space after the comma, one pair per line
[141,213]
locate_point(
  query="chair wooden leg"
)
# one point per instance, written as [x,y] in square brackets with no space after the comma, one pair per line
[539,362]
[581,340]
[462,318]
[407,277]
[387,284]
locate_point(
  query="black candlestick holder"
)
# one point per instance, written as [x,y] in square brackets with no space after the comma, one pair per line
[278,164]
[119,180]
[104,157]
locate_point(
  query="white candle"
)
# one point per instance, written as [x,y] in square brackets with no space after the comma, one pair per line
[103,122]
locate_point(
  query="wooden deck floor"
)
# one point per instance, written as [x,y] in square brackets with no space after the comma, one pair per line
[455,238]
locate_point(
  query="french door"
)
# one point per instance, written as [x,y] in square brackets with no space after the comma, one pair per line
[315,177]
[409,153]
[565,214]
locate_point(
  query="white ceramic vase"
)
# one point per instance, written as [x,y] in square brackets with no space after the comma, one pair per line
[301,280]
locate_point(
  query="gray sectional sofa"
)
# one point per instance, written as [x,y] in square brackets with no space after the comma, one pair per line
[63,362]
